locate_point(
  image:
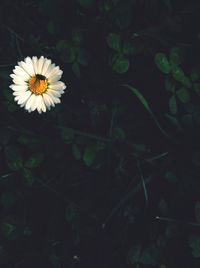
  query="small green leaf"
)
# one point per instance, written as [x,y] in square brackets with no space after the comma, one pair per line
[175,56]
[35,160]
[114,41]
[162,63]
[172,104]
[89,155]
[28,177]
[76,152]
[118,134]
[13,158]
[197,211]
[120,64]
[178,74]
[8,228]
[183,95]
[140,97]
[186,82]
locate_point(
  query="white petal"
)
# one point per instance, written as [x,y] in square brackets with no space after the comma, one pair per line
[54,78]
[51,98]
[35,103]
[55,100]
[30,102]
[57,86]
[49,69]
[47,100]
[23,98]
[54,71]
[18,87]
[39,100]
[19,92]
[17,77]
[54,93]
[45,66]
[40,64]
[35,64]
[27,66]
[21,73]
[43,106]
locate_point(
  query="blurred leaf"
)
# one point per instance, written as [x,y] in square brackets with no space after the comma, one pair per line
[197,211]
[5,136]
[67,51]
[76,152]
[140,97]
[183,95]
[7,199]
[35,160]
[197,88]
[175,56]
[194,242]
[178,73]
[162,62]
[174,121]
[171,177]
[13,158]
[8,228]
[85,3]
[71,214]
[139,148]
[187,120]
[120,64]
[163,207]
[128,48]
[76,69]
[148,257]
[195,75]
[134,254]
[169,85]
[82,57]
[118,134]
[123,14]
[53,27]
[114,41]
[89,155]
[28,177]
[172,104]
[67,135]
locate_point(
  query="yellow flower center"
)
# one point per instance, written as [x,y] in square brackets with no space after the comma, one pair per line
[38,84]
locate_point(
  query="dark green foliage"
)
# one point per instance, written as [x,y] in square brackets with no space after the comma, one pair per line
[109,177]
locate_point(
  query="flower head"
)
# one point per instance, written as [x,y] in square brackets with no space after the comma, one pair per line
[36,84]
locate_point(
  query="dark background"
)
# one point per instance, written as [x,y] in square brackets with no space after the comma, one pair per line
[104,179]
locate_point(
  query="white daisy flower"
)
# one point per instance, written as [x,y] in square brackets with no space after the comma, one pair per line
[36,84]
